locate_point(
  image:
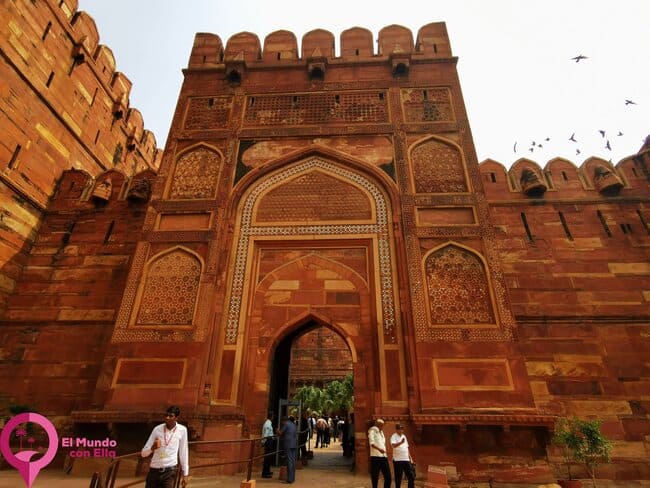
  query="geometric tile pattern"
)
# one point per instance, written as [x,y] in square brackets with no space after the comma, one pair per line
[458,288]
[437,168]
[314,196]
[247,230]
[170,290]
[205,113]
[195,175]
[316,108]
[427,105]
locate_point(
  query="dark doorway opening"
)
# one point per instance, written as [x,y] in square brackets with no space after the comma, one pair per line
[314,356]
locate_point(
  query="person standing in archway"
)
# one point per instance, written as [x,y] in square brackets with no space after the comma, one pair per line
[269,445]
[378,455]
[289,443]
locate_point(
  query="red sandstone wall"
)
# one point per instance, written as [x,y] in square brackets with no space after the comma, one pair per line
[318,357]
[62,106]
[60,317]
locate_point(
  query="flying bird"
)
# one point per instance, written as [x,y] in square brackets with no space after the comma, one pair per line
[514,148]
[531,149]
[539,145]
[547,139]
[573,137]
[607,146]
[577,151]
[579,57]
[619,133]
[630,102]
[602,133]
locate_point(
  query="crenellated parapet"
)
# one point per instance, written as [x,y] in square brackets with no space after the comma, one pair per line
[395,43]
[560,179]
[64,105]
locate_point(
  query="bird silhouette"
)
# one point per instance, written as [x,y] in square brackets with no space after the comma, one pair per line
[514,148]
[531,149]
[577,151]
[579,57]
[630,102]
[539,145]
[602,133]
[573,137]
[607,146]
[547,139]
[619,133]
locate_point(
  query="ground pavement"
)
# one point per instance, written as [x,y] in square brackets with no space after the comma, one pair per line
[328,469]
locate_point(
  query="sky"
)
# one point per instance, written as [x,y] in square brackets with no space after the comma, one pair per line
[519,81]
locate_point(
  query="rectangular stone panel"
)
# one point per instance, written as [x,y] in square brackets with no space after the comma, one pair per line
[445,216]
[184,221]
[150,373]
[393,375]
[225,377]
[472,374]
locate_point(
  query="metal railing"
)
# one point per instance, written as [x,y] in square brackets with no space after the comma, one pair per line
[108,477]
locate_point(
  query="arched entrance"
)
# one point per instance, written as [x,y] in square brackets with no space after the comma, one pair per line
[312,362]
[314,353]
[313,240]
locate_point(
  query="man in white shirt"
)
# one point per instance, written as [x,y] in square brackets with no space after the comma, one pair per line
[168,442]
[378,456]
[269,445]
[401,458]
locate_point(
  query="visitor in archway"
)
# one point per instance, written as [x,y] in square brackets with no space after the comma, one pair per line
[378,455]
[288,434]
[321,425]
[303,432]
[269,445]
[402,457]
[168,442]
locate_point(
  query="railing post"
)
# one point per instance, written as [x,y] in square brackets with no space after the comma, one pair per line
[93,481]
[250,460]
[113,474]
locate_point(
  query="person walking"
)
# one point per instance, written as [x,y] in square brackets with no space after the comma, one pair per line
[269,446]
[168,443]
[402,457]
[378,455]
[289,443]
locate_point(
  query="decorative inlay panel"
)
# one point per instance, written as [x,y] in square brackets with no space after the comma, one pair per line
[170,290]
[427,105]
[437,168]
[312,197]
[316,108]
[248,229]
[196,175]
[457,288]
[207,113]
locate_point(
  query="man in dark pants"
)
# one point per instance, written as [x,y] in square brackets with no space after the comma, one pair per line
[378,456]
[268,442]
[402,458]
[168,442]
[289,443]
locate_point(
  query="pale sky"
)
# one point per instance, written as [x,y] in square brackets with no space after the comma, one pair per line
[516,73]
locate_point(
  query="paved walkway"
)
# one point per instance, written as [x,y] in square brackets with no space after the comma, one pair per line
[328,469]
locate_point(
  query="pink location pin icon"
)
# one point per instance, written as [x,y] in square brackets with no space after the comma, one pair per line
[21,460]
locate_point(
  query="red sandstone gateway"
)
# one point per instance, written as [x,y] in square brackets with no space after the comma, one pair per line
[304,195]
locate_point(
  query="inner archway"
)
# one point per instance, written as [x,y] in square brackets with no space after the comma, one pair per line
[311,355]
[313,364]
